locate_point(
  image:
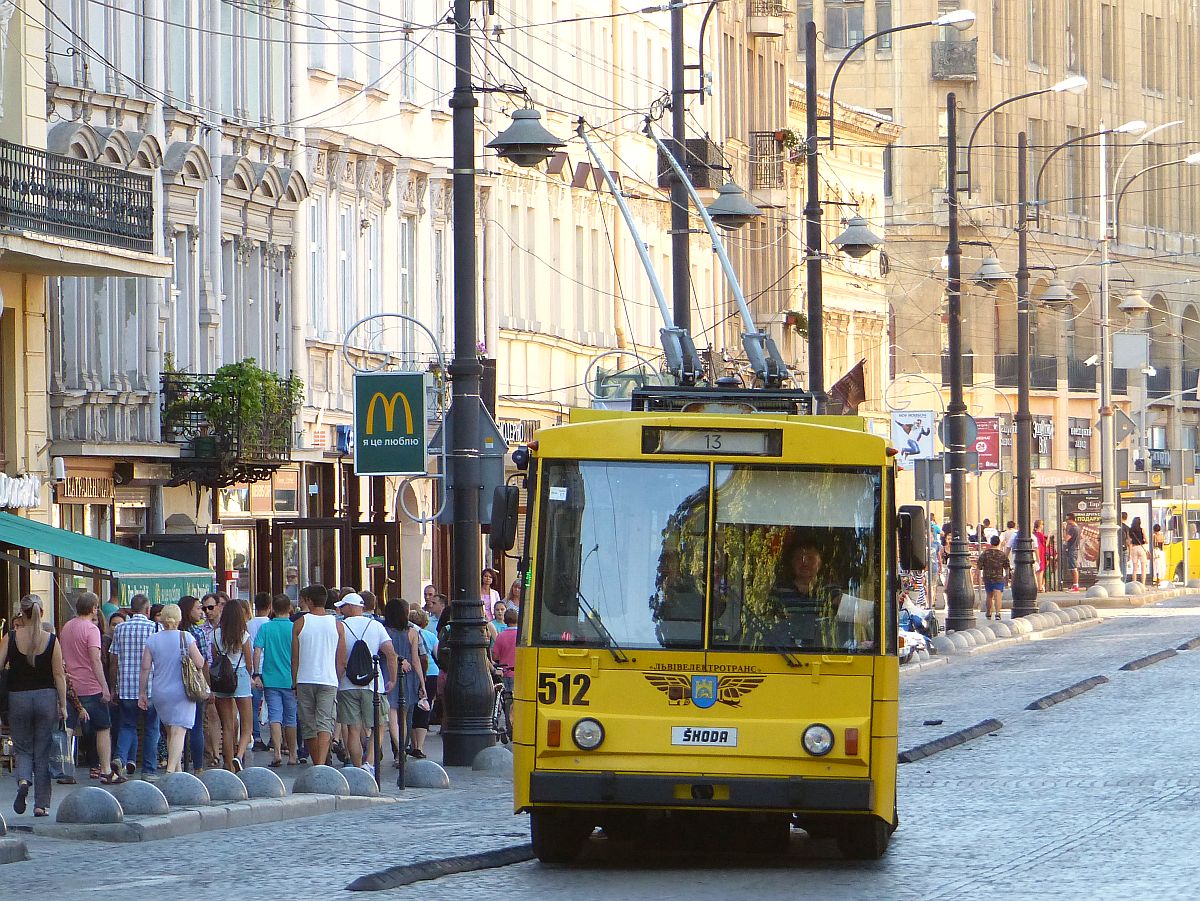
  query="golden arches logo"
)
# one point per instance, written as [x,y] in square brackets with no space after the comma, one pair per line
[389,412]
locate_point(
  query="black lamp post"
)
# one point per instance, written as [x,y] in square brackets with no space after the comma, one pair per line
[960,596]
[960,19]
[469,693]
[1024,585]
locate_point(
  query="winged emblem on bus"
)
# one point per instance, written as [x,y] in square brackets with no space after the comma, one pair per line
[703,691]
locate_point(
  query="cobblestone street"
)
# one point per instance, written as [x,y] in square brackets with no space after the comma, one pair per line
[1096,797]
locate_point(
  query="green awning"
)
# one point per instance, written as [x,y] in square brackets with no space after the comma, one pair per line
[159,577]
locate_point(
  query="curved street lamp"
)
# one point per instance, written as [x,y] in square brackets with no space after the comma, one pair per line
[1132,127]
[1076,84]
[961,19]
[1190,160]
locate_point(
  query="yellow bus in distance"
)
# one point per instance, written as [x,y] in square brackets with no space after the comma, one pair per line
[709,631]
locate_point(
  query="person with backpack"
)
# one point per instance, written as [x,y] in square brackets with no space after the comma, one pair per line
[361,702]
[318,659]
[230,679]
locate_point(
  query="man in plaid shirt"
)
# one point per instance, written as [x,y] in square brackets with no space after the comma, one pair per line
[129,640]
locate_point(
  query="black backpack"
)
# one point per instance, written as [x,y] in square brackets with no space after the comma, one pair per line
[223,675]
[359,668]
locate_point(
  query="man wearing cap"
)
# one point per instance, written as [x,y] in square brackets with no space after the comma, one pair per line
[318,657]
[355,702]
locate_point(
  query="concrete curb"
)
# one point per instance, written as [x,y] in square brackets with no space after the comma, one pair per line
[1067,693]
[927,663]
[395,877]
[190,820]
[1190,645]
[965,648]
[1149,660]
[1124,600]
[961,737]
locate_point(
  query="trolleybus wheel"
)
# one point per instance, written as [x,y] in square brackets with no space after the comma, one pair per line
[864,838]
[557,836]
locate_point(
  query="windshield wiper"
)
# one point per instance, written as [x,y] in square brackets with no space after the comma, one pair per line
[785,653]
[610,643]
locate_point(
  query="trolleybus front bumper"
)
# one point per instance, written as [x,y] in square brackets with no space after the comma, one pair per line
[737,792]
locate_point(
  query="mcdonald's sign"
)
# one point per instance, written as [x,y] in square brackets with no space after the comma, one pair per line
[389,423]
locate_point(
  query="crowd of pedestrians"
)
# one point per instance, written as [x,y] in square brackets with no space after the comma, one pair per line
[310,677]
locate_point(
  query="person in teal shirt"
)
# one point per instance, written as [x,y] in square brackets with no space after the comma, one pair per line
[273,674]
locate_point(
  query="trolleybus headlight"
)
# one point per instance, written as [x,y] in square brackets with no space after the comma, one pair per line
[588,734]
[818,740]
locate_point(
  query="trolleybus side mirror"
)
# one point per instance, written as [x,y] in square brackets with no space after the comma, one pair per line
[913,539]
[503,533]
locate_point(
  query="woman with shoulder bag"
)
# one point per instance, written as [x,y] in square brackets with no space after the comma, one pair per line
[37,695]
[165,656]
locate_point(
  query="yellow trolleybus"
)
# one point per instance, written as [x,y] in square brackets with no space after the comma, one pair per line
[709,630]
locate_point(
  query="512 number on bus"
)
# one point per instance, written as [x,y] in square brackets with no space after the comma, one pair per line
[569,688]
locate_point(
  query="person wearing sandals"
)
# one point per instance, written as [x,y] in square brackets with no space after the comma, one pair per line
[232,638]
[273,676]
[163,655]
[37,692]
[80,639]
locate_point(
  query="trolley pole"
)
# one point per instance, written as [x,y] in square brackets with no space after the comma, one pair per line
[681,274]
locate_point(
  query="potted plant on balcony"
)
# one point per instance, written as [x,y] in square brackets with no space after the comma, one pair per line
[252,403]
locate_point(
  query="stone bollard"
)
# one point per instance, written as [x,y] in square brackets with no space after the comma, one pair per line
[321,780]
[1001,630]
[90,804]
[261,782]
[497,760]
[223,785]
[184,790]
[360,782]
[425,774]
[141,798]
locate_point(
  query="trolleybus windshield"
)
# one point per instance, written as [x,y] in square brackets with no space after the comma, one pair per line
[623,558]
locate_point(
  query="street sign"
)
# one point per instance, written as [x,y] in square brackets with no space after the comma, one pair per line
[930,480]
[1123,426]
[970,429]
[389,423]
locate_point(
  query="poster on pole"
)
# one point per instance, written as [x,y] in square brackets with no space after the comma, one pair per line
[912,435]
[389,423]
[987,443]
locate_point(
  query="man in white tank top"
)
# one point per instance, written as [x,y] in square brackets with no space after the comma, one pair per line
[318,659]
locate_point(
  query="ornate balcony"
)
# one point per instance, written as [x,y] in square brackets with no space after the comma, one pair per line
[1080,376]
[50,194]
[767,19]
[767,182]
[235,425]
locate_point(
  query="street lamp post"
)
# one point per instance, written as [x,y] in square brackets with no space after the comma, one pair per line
[1024,585]
[467,730]
[960,19]
[469,692]
[960,596]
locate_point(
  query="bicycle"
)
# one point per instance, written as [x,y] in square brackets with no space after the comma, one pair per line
[502,710]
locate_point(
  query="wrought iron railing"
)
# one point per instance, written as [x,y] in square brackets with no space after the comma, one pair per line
[766,160]
[1043,372]
[1190,378]
[1080,376]
[220,443]
[968,368]
[58,195]
[767,8]
[1159,384]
